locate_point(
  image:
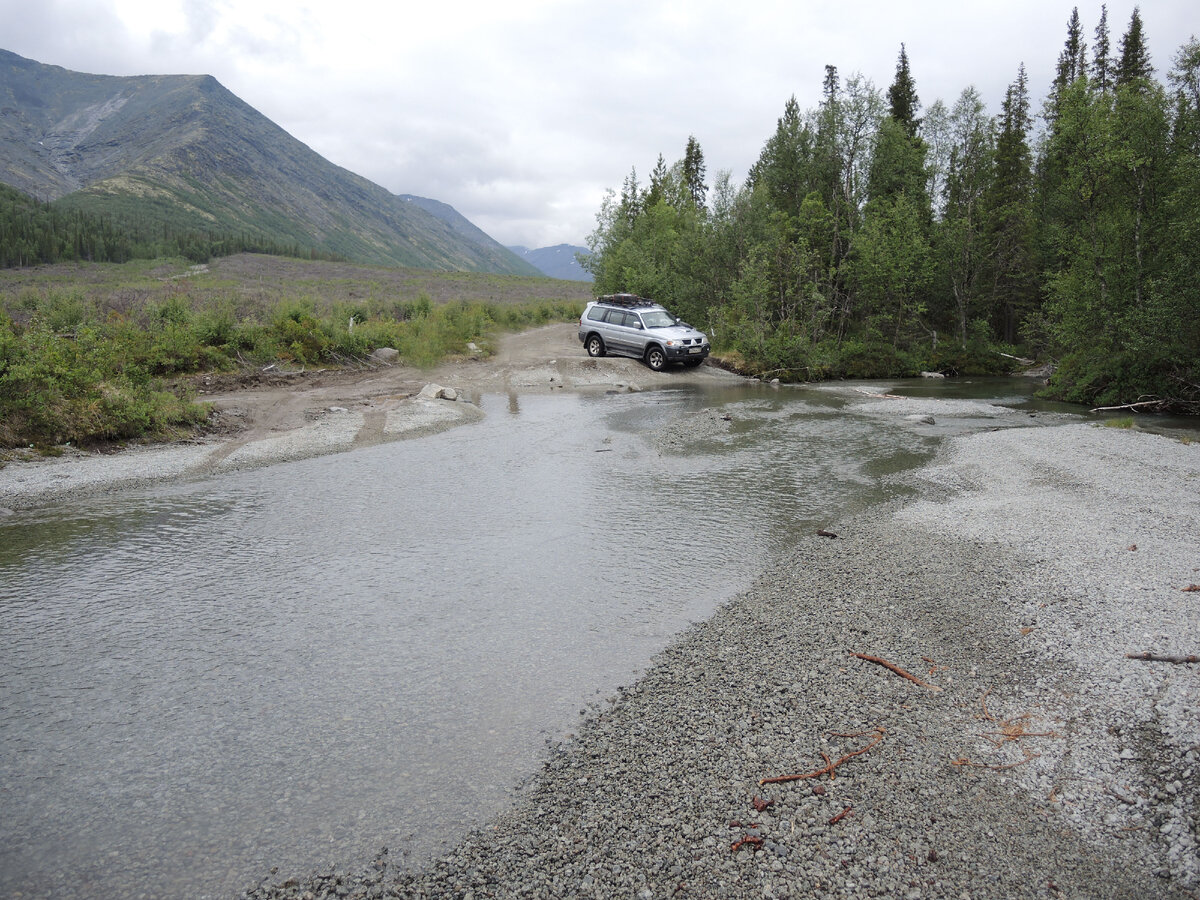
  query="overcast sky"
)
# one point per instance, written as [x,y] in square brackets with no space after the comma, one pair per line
[521,113]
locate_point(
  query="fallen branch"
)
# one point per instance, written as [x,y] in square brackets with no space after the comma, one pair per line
[963,761]
[1129,405]
[1156,657]
[1020,359]
[983,703]
[829,768]
[895,668]
[750,836]
[1191,588]
[849,810]
[1014,730]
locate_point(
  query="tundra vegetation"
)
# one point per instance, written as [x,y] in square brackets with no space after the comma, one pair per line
[100,352]
[868,240]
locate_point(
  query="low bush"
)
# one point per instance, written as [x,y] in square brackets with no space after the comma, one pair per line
[72,370]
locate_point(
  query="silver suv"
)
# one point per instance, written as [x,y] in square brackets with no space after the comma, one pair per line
[629,325]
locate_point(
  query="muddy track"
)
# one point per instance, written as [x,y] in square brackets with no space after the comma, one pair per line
[262,406]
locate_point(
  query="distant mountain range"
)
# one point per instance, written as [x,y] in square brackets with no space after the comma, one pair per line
[558,261]
[182,151]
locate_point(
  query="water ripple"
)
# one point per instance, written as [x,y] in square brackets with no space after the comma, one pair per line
[202,681]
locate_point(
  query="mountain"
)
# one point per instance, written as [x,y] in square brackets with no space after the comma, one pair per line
[183,151]
[557,262]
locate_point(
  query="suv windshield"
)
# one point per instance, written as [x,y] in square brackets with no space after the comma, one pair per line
[658,318]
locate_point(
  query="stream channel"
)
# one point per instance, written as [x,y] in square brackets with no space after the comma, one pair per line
[297,665]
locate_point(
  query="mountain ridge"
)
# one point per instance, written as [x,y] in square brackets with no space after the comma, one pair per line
[184,150]
[559,261]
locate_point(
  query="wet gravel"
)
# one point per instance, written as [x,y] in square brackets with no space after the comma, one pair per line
[1044,764]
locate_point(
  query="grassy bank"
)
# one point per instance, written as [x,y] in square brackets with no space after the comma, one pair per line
[99,352]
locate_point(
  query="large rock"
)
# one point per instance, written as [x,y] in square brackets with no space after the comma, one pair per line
[437,392]
[386,354]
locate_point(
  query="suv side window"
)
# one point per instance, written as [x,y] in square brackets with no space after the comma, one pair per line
[616,317]
[596,313]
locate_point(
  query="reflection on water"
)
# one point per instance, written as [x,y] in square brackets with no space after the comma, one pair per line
[300,664]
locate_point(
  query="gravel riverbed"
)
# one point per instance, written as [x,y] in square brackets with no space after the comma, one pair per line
[1035,760]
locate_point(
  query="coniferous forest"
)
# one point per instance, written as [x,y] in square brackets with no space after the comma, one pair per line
[874,238]
[35,233]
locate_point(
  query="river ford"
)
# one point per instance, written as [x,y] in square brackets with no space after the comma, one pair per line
[299,664]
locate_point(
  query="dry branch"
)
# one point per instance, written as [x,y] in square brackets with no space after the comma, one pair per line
[1157,657]
[1014,730]
[983,703]
[963,761]
[1158,403]
[845,812]
[895,668]
[830,766]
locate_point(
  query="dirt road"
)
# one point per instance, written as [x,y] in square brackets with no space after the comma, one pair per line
[539,361]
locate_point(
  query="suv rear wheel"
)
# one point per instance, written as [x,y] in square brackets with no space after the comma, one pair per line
[595,345]
[655,358]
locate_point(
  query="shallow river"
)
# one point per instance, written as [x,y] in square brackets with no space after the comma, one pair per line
[297,665]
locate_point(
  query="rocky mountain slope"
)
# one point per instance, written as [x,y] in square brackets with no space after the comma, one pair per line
[183,150]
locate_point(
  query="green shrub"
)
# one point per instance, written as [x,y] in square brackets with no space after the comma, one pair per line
[64,312]
[56,388]
[859,359]
[1111,379]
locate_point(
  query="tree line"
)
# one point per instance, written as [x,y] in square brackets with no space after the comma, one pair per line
[36,233]
[869,239]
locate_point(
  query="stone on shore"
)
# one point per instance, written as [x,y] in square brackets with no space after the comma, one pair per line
[437,392]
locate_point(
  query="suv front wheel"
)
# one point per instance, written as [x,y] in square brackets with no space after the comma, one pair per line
[595,345]
[656,359]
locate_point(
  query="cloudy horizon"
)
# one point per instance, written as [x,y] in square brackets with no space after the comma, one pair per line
[522,115]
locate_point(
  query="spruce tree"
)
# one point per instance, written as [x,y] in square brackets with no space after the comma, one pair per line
[1135,57]
[1010,216]
[1103,70]
[694,173]
[658,184]
[902,96]
[1072,61]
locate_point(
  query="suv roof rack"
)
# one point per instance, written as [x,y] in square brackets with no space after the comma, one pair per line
[625,300]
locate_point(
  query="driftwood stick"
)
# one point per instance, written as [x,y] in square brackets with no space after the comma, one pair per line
[1157,657]
[828,770]
[1129,405]
[845,812]
[983,703]
[963,761]
[895,668]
